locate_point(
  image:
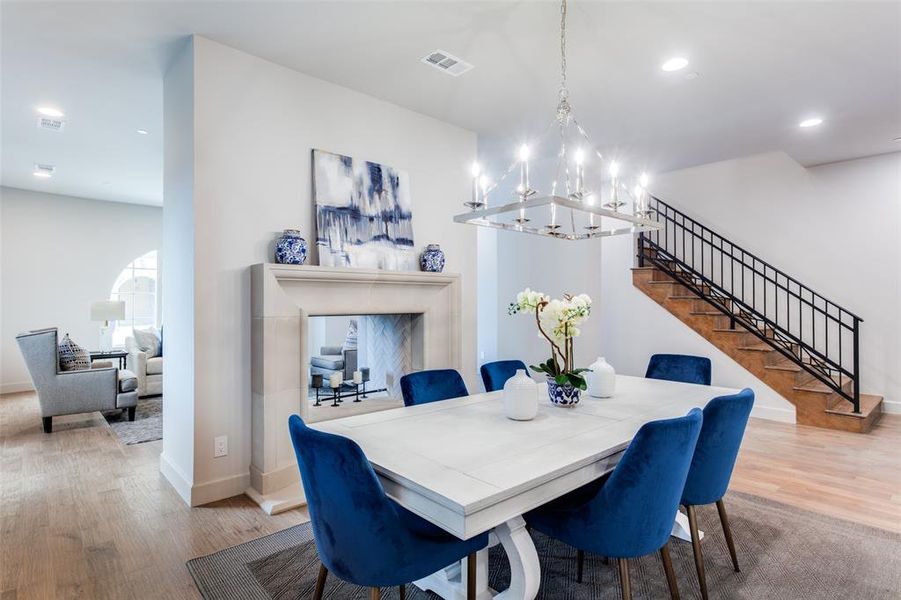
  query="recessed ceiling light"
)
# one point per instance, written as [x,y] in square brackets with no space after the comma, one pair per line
[49,111]
[43,171]
[142,131]
[674,64]
[812,122]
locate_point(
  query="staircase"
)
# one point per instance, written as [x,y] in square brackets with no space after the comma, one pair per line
[798,342]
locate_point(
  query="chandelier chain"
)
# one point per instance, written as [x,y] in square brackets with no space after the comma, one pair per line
[563,91]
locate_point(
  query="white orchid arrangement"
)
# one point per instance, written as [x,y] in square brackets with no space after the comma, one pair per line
[558,322]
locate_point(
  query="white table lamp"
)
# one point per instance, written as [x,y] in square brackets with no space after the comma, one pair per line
[106,311]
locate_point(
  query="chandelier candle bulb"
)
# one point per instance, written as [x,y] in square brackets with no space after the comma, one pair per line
[476,201]
[523,170]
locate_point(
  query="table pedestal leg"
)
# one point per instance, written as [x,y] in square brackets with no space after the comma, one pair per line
[681,529]
[450,582]
[525,571]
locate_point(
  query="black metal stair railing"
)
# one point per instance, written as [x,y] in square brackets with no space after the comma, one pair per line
[811,331]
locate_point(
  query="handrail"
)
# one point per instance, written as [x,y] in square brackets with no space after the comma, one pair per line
[674,247]
[751,254]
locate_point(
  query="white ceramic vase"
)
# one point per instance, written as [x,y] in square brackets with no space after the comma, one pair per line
[520,397]
[601,379]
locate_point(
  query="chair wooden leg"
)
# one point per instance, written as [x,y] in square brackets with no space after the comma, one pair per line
[375,593]
[696,548]
[48,424]
[624,578]
[670,574]
[727,531]
[402,590]
[471,575]
[580,562]
[320,582]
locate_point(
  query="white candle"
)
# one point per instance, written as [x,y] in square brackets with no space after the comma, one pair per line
[580,171]
[475,184]
[483,183]
[523,169]
[614,171]
[643,182]
[358,377]
[334,380]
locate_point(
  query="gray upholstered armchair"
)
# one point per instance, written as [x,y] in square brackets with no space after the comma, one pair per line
[73,392]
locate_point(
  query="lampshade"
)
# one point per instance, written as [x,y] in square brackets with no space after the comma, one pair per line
[108,310]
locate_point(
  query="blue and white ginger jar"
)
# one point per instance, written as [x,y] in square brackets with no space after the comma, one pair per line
[291,249]
[432,259]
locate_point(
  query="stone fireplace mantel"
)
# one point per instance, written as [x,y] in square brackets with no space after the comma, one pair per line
[283,297]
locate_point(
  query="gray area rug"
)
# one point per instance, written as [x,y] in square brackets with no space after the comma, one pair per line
[147,426]
[785,553]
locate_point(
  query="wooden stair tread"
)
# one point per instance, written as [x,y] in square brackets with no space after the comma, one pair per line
[709,313]
[757,348]
[784,366]
[868,404]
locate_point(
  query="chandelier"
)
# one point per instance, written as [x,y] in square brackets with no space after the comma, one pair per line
[585,195]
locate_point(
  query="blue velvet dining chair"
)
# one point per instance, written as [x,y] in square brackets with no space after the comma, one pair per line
[630,513]
[422,387]
[679,367]
[725,419]
[361,535]
[495,374]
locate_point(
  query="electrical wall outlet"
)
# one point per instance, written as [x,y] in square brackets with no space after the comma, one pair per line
[220,446]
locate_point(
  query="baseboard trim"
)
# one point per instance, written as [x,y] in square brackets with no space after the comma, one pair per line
[770,413]
[219,489]
[176,478]
[891,408]
[14,388]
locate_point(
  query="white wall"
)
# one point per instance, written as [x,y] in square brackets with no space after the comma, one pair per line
[836,228]
[177,458]
[255,124]
[554,267]
[59,255]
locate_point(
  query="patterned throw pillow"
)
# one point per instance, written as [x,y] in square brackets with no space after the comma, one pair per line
[73,357]
[148,340]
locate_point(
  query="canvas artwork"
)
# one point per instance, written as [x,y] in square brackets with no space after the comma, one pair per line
[363,214]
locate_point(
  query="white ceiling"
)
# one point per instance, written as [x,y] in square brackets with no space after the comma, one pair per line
[763,66]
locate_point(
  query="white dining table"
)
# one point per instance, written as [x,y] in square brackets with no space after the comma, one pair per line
[462,465]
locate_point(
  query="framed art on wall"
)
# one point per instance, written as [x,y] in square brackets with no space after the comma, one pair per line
[364,216]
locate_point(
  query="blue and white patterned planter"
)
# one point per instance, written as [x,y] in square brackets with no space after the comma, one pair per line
[432,260]
[291,249]
[562,395]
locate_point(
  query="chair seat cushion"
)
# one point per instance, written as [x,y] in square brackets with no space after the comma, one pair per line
[155,365]
[127,381]
[328,361]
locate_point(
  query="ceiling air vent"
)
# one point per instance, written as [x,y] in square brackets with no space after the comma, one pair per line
[44,171]
[447,62]
[51,124]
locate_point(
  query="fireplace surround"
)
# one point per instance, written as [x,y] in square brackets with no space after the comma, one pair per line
[283,298]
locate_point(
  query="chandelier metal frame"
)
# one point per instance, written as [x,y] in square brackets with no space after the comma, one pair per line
[602,220]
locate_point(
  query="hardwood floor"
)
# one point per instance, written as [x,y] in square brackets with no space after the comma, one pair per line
[850,476]
[82,516]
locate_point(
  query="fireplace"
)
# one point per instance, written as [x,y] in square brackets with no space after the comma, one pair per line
[284,298]
[356,362]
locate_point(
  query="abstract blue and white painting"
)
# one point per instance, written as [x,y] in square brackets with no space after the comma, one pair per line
[364,217]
